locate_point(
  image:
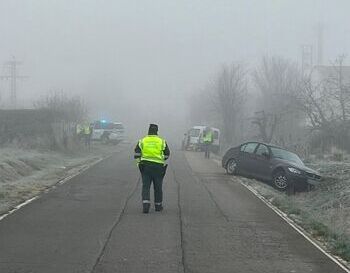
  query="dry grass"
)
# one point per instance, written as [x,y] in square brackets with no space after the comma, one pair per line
[323,212]
[27,173]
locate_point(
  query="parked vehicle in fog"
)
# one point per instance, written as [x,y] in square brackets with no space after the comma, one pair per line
[111,132]
[193,139]
[281,167]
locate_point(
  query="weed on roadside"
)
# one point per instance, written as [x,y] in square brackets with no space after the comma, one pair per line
[341,247]
[317,212]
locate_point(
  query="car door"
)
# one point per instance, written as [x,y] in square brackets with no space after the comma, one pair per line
[246,158]
[261,162]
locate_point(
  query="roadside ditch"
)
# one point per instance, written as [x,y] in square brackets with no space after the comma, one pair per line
[323,213]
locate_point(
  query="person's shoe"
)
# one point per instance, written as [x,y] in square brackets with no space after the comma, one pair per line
[146,207]
[158,207]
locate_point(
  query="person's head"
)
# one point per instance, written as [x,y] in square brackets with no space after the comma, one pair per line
[153,129]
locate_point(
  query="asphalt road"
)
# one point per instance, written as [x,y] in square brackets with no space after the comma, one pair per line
[94,223]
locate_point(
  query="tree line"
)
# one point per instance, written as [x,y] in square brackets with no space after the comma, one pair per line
[277,102]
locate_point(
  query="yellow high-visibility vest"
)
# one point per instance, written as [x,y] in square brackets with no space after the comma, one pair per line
[87,130]
[152,149]
[208,137]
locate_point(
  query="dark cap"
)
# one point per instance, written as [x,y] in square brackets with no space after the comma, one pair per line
[153,129]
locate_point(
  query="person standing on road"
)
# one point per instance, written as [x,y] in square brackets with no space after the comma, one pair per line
[151,153]
[87,131]
[207,140]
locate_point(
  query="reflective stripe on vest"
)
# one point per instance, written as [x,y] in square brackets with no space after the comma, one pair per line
[152,149]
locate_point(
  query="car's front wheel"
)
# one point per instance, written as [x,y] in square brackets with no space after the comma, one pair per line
[280,180]
[231,166]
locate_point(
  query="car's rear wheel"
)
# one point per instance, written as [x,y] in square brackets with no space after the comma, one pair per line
[231,166]
[280,180]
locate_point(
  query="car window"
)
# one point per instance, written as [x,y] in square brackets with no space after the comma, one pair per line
[216,135]
[118,126]
[286,155]
[262,149]
[243,147]
[250,148]
[97,125]
[194,132]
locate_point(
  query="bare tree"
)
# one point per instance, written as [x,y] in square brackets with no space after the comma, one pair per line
[313,100]
[266,123]
[339,88]
[324,96]
[72,109]
[277,80]
[228,96]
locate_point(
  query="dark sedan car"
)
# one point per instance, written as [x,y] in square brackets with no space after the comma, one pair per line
[269,163]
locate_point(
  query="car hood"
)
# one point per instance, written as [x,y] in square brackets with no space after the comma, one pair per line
[300,167]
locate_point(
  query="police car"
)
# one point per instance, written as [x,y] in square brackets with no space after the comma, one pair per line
[111,132]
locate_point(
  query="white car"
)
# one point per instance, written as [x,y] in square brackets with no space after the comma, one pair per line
[117,134]
[108,131]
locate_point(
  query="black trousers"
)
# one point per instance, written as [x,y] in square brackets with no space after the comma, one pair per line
[207,147]
[87,139]
[152,174]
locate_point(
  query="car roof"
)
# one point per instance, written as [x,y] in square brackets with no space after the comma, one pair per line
[264,143]
[203,127]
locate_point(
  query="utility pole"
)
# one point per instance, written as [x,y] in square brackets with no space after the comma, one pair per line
[320,31]
[13,76]
[306,59]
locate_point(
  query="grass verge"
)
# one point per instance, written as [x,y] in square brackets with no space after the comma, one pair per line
[318,212]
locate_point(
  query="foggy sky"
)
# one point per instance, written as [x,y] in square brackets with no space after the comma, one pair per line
[123,55]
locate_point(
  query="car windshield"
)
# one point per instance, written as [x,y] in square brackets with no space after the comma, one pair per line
[117,126]
[286,155]
[104,125]
[194,132]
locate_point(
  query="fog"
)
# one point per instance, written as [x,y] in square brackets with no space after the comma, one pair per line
[139,61]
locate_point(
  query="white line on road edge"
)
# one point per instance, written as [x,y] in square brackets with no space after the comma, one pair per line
[18,207]
[217,162]
[296,227]
[59,182]
[340,262]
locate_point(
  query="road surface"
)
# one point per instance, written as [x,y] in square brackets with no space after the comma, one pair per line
[211,223]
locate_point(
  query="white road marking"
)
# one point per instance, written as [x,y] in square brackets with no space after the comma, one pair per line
[18,207]
[217,162]
[60,182]
[340,262]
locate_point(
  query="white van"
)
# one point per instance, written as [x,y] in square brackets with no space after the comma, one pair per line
[216,140]
[193,139]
